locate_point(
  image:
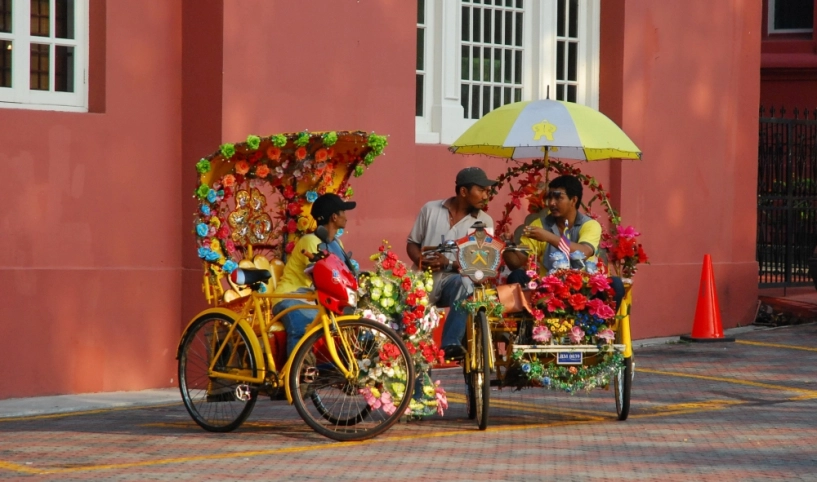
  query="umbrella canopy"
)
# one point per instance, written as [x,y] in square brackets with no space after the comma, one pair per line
[532,129]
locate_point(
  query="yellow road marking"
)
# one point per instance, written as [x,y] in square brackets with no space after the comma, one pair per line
[776,345]
[729,380]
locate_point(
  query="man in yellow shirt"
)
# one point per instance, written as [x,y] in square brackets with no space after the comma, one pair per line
[329,210]
[563,229]
[544,235]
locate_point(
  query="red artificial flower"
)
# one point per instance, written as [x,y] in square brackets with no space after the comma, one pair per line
[294,209]
[574,281]
[321,155]
[399,270]
[411,329]
[411,299]
[300,153]
[406,284]
[290,246]
[289,192]
[242,167]
[555,304]
[577,301]
[273,153]
[223,232]
[388,263]
[292,226]
[563,292]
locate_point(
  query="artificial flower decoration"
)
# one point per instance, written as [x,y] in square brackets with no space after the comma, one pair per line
[256,195]
[395,295]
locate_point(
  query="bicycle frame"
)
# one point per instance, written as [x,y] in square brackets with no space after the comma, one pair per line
[256,312]
[481,293]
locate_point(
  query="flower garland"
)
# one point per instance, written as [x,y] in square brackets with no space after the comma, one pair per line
[624,253]
[395,295]
[492,306]
[237,182]
[572,378]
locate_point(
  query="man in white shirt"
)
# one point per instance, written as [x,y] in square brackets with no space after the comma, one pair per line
[451,219]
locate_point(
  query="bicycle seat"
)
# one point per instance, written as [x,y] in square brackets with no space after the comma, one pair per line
[250,276]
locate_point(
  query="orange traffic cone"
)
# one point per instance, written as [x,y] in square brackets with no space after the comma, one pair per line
[707,325]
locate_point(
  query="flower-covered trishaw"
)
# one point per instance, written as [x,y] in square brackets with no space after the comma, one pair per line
[349,377]
[562,330]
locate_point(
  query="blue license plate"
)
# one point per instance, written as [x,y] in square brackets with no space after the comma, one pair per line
[569,358]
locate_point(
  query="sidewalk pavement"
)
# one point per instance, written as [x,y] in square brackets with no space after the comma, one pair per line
[37,406]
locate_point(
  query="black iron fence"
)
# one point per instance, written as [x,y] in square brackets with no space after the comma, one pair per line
[787,196]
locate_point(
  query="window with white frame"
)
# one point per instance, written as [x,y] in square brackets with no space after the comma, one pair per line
[476,55]
[791,16]
[43,54]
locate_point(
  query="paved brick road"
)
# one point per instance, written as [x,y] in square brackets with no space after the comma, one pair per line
[733,411]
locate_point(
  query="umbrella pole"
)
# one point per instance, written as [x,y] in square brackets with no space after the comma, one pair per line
[546,163]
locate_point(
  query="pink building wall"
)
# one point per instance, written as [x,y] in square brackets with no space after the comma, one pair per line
[89,268]
[690,93]
[100,266]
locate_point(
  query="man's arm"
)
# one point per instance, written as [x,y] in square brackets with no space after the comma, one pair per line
[542,234]
[515,259]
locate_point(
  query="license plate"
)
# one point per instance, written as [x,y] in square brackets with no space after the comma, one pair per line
[569,358]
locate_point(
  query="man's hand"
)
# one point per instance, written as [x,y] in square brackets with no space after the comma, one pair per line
[539,234]
[435,261]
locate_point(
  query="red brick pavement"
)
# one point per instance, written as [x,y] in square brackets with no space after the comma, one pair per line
[730,411]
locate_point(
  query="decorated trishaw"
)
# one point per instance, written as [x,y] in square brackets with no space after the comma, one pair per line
[561,330]
[351,376]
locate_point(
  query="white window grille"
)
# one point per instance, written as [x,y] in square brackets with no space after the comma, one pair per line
[791,16]
[480,54]
[491,55]
[43,54]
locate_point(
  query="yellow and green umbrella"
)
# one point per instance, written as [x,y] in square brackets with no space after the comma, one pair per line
[542,128]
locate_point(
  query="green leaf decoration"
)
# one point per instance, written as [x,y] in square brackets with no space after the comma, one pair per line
[253,141]
[227,150]
[202,191]
[203,166]
[330,138]
[377,143]
[279,140]
[303,139]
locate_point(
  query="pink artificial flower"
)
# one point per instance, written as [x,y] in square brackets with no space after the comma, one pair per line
[532,285]
[542,333]
[598,283]
[387,403]
[531,273]
[230,246]
[442,399]
[627,232]
[369,397]
[607,335]
[552,283]
[576,334]
[600,308]
[537,314]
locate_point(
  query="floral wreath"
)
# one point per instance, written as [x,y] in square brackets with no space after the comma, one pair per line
[623,252]
[395,295]
[257,194]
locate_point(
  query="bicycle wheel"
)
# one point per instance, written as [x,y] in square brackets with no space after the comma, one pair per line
[622,384]
[481,374]
[337,407]
[216,404]
[471,398]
